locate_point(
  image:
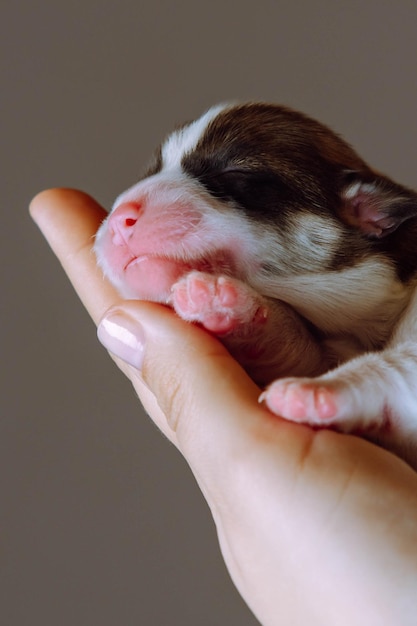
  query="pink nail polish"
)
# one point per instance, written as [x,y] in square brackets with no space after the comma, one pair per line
[124,337]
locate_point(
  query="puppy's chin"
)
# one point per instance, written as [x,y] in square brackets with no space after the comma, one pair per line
[152,278]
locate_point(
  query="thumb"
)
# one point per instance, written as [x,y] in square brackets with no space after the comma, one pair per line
[190,385]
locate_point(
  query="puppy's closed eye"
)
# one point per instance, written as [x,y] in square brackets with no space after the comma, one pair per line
[255,190]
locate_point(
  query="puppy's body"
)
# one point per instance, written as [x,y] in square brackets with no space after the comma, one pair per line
[270,231]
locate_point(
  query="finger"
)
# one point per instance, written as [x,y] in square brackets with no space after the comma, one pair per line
[69,220]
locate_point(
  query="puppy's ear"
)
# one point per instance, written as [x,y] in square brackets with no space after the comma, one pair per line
[375,204]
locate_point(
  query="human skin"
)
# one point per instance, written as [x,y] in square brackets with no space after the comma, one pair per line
[315,527]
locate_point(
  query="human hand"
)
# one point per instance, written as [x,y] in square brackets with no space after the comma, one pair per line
[315,527]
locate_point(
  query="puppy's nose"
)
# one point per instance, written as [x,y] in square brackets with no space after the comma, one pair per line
[122,222]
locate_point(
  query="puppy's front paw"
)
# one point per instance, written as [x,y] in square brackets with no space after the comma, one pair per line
[219,303]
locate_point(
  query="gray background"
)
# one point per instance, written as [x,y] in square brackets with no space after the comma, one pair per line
[100,520]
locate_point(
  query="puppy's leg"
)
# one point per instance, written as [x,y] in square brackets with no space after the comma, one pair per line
[266,336]
[374,395]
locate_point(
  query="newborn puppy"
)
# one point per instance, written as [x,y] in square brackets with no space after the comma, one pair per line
[267,229]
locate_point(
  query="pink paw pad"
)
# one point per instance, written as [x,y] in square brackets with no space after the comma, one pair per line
[226,293]
[192,295]
[304,402]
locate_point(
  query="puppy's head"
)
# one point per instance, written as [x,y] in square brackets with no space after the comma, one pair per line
[252,190]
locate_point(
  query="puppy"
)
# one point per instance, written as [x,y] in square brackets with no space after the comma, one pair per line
[267,229]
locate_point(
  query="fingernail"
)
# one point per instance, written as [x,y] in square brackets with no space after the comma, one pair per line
[123,337]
